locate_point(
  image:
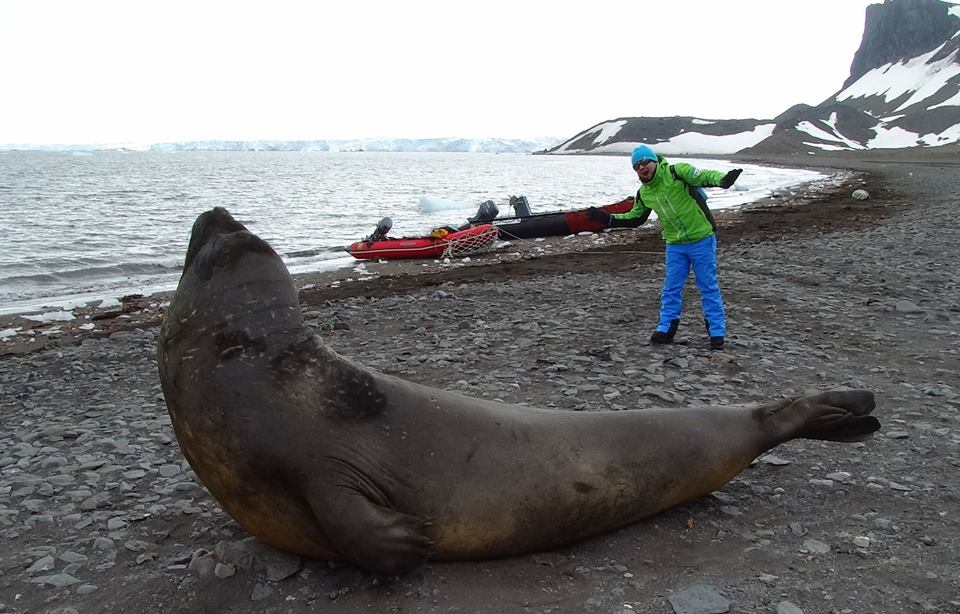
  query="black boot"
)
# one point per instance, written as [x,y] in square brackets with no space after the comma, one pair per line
[716,343]
[660,338]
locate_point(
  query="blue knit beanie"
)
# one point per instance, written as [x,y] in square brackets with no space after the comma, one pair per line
[641,152]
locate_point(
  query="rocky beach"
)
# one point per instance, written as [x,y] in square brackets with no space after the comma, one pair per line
[100,512]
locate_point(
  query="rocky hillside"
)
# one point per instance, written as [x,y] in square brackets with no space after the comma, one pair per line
[670,134]
[903,92]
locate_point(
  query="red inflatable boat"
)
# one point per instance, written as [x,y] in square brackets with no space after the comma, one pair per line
[456,244]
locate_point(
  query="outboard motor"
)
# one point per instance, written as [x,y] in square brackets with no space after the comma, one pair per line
[383,227]
[486,213]
[521,208]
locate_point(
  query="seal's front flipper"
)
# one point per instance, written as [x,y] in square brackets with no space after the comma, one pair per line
[368,534]
[838,415]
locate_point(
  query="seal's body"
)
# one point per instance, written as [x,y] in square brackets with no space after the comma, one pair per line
[319,456]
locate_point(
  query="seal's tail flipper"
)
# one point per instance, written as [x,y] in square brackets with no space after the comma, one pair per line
[839,415]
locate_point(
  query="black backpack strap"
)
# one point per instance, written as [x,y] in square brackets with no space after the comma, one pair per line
[698,196]
[643,218]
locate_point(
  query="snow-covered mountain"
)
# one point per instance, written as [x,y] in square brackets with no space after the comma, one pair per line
[903,91]
[670,135]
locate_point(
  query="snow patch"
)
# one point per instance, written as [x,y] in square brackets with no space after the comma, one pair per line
[893,80]
[950,135]
[826,146]
[933,79]
[892,138]
[816,132]
[949,102]
[50,316]
[835,136]
[608,131]
[624,147]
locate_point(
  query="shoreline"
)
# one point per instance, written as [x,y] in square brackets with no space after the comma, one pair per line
[137,311]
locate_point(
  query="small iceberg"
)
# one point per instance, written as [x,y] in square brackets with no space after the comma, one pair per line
[429,204]
[50,316]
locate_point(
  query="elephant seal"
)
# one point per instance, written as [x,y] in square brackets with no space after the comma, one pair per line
[319,456]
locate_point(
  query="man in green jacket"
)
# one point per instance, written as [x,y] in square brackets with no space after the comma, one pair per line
[688,230]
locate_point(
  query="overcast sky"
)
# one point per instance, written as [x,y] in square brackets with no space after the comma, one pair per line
[141,71]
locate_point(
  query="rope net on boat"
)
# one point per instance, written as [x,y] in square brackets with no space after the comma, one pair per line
[470,244]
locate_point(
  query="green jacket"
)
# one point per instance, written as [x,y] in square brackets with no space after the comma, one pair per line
[681,219]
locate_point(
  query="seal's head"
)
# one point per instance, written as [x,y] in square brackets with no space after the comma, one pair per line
[230,275]
[218,239]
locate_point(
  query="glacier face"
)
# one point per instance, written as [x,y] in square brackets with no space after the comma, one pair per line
[453,144]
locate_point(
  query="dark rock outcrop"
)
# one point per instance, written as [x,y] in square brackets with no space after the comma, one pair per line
[902,29]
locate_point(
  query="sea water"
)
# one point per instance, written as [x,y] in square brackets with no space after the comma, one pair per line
[81,226]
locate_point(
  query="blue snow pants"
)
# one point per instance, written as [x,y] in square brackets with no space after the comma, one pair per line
[701,256]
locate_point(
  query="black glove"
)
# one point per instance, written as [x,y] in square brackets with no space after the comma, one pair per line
[598,215]
[729,179]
